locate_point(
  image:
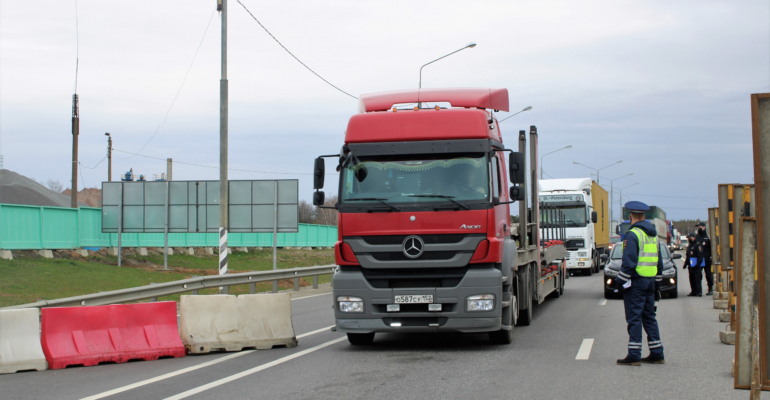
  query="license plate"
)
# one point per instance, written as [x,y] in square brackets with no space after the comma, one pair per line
[418,298]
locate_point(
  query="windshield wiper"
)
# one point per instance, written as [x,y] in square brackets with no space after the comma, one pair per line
[376,199]
[450,198]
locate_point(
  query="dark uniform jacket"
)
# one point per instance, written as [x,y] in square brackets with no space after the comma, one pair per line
[694,250]
[703,240]
[631,255]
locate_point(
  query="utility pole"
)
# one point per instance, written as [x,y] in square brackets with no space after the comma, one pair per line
[168,169]
[75,134]
[223,203]
[109,157]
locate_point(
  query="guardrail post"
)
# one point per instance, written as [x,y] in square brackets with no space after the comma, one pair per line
[315,281]
[296,284]
[225,289]
[252,288]
[153,299]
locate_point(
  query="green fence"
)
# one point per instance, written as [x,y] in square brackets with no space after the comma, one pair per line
[34,228]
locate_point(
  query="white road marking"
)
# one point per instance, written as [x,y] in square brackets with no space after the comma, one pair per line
[585,349]
[307,297]
[248,372]
[602,302]
[315,331]
[166,376]
[188,369]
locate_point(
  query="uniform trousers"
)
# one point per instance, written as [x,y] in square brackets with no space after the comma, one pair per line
[639,302]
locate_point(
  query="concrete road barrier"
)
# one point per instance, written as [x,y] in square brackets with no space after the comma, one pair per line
[114,333]
[724,317]
[230,323]
[721,304]
[727,337]
[20,348]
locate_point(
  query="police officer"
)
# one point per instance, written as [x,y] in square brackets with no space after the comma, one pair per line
[695,262]
[639,280]
[703,239]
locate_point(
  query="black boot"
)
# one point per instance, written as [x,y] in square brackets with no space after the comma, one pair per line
[653,360]
[629,361]
[691,295]
[710,292]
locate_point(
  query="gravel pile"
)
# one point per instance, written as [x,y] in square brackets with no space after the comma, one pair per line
[18,189]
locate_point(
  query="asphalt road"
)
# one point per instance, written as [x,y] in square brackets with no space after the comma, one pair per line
[540,364]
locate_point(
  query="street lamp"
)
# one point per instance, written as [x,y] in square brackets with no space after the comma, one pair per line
[621,196]
[612,200]
[541,157]
[467,46]
[527,108]
[597,170]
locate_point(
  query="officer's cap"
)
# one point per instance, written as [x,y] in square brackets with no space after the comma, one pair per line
[637,207]
[690,236]
[701,224]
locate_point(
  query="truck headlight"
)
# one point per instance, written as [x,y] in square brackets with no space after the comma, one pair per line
[583,254]
[350,304]
[481,302]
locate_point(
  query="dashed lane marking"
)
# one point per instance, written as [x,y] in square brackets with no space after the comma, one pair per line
[254,370]
[307,297]
[188,369]
[166,376]
[585,349]
[602,302]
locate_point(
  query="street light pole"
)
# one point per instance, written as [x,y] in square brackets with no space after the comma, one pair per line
[621,197]
[541,157]
[223,203]
[597,170]
[467,46]
[612,193]
[527,108]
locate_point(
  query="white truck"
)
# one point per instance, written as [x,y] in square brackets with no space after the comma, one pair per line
[585,205]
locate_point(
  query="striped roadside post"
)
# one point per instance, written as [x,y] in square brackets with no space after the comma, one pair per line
[222,251]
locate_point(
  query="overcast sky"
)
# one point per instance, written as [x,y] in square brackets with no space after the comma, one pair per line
[663,86]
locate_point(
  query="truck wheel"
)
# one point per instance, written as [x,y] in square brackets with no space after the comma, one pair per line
[589,271]
[525,316]
[360,338]
[503,336]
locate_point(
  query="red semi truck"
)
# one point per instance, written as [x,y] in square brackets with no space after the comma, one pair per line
[426,242]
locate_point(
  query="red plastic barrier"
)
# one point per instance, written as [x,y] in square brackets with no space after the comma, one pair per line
[114,333]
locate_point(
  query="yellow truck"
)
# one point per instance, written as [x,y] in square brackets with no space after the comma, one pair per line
[585,207]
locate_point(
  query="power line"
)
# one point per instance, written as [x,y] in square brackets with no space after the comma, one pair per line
[290,53]
[180,86]
[672,197]
[213,167]
[94,167]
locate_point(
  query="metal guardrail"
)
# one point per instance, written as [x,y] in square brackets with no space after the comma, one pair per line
[185,285]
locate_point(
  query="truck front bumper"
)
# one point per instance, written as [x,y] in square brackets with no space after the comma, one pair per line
[453,317]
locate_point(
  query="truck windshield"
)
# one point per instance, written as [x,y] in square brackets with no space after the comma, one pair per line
[418,179]
[574,216]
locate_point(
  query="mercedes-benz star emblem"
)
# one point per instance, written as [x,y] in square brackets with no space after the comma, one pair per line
[413,246]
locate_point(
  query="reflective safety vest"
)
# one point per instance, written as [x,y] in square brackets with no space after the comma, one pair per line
[647,264]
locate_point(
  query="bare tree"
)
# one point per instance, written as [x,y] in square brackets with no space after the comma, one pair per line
[327,216]
[307,213]
[55,185]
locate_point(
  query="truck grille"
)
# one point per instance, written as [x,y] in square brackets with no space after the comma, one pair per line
[439,251]
[574,244]
[400,256]
[427,239]
[414,278]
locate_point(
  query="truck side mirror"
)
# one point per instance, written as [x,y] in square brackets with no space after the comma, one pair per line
[516,193]
[516,166]
[318,173]
[319,198]
[617,229]
[594,216]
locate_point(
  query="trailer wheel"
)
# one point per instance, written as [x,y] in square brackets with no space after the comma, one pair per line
[360,338]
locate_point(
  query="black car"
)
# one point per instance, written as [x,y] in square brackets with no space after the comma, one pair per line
[669,285]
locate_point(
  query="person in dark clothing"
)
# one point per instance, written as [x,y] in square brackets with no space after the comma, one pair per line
[639,279]
[695,262]
[703,239]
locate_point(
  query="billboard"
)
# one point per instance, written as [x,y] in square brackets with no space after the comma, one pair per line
[193,206]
